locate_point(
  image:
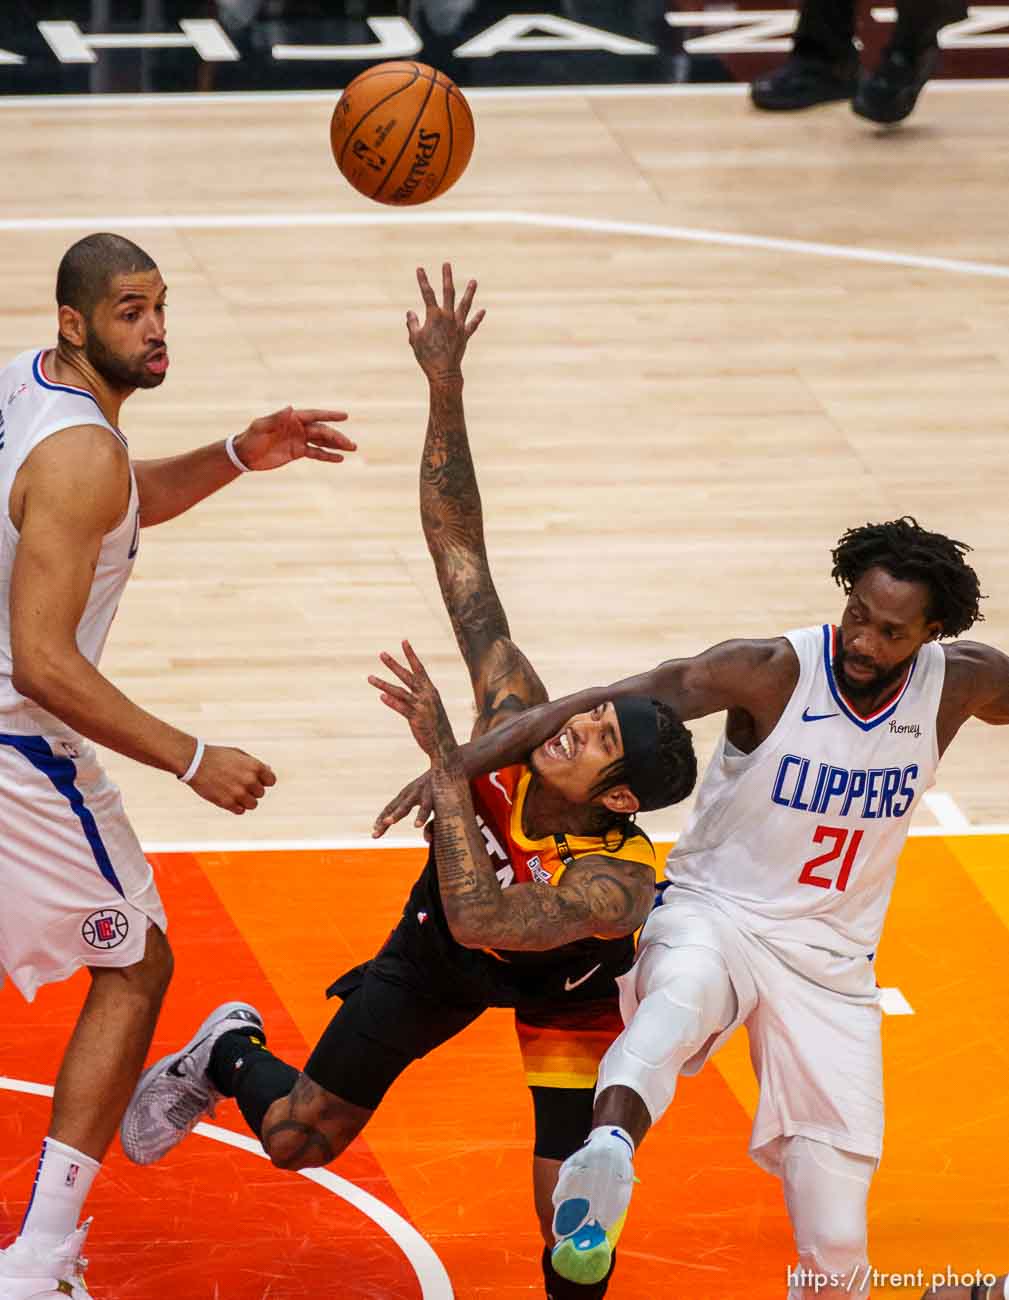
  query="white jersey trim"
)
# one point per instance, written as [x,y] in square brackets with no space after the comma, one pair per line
[41,378]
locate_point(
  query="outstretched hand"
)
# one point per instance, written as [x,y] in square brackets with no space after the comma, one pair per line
[418,794]
[440,343]
[419,702]
[289,435]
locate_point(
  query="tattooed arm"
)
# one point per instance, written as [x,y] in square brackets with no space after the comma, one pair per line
[504,681]
[597,895]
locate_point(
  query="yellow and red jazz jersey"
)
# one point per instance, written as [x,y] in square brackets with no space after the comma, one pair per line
[563,1040]
[499,799]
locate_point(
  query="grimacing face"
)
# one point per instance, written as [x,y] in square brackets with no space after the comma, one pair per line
[573,761]
[125,338]
[884,625]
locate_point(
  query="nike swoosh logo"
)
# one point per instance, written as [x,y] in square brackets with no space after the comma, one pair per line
[816,717]
[573,984]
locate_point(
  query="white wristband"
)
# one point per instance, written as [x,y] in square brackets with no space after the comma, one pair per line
[229,447]
[191,770]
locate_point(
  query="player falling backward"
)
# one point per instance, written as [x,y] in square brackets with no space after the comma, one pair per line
[536,880]
[779,887]
[76,887]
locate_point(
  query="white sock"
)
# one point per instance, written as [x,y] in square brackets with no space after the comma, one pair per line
[62,1182]
[610,1133]
[1005,1287]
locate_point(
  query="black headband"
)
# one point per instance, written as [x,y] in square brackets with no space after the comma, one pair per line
[639,731]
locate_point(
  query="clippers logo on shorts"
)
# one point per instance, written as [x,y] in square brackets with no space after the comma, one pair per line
[105,929]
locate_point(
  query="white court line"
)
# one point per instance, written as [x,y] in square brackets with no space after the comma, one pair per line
[594,225]
[236,98]
[894,1003]
[430,1272]
[665,834]
[945,809]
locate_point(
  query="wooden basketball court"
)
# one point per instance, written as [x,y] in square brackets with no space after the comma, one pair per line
[714,340]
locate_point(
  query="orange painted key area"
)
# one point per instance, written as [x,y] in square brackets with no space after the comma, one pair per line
[449,1152]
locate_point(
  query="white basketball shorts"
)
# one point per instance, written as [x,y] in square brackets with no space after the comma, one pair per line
[816,1052]
[75,887]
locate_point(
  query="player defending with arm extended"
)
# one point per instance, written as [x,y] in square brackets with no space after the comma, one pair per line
[536,880]
[779,888]
[76,887]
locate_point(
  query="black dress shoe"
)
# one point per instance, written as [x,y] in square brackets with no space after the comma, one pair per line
[889,94]
[802,82]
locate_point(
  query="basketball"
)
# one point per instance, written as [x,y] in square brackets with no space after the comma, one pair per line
[402,133]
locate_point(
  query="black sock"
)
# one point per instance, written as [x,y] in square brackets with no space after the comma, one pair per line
[241,1067]
[559,1288]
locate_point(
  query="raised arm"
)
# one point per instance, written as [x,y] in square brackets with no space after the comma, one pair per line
[504,681]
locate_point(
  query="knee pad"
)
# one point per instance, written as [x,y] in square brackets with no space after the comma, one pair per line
[684,998]
[826,1190]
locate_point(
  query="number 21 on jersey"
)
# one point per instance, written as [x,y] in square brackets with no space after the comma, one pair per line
[841,841]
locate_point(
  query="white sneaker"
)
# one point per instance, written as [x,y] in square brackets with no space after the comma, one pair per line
[29,1274]
[591,1200]
[174,1093]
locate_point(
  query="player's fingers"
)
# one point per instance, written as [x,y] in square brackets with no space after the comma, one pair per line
[474,324]
[315,417]
[404,676]
[426,292]
[412,324]
[323,436]
[266,775]
[411,658]
[320,453]
[385,818]
[387,687]
[466,301]
[257,791]
[447,287]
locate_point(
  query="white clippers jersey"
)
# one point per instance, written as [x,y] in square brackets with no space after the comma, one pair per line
[799,839]
[32,408]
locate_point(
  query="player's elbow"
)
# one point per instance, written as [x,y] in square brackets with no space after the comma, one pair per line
[36,673]
[468,929]
[465,933]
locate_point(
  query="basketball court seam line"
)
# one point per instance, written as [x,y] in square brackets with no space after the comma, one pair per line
[225,98]
[355,843]
[546,221]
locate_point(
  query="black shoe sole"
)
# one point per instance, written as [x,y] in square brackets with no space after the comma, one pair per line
[883,114]
[774,105]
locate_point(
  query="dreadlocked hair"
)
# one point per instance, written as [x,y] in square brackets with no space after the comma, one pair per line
[910,553]
[676,752]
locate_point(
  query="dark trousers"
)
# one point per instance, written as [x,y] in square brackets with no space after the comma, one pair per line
[826,27]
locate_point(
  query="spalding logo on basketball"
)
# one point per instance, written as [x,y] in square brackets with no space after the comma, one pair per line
[402,133]
[105,929]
